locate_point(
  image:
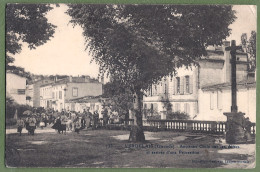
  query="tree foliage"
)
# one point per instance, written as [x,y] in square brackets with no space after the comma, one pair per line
[140,44]
[121,98]
[249,47]
[26,23]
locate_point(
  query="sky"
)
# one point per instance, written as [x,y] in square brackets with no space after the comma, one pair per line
[65,53]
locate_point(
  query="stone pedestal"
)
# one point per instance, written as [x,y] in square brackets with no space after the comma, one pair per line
[234,128]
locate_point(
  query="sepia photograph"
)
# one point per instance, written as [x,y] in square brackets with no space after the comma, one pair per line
[130,86]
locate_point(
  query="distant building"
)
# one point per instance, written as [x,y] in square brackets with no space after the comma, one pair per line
[188,90]
[33,92]
[89,102]
[29,94]
[216,99]
[15,87]
[55,95]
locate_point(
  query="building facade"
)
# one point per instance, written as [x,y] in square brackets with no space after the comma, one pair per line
[187,91]
[29,94]
[55,95]
[33,91]
[15,87]
[215,100]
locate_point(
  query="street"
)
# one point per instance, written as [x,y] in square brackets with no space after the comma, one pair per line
[110,148]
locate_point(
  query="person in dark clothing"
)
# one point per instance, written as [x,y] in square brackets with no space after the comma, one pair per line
[88,118]
[247,128]
[105,117]
[57,125]
[95,120]
[83,119]
[20,125]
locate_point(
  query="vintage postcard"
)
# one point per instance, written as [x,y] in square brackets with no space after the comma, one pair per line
[130,86]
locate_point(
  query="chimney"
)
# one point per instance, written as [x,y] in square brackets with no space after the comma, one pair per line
[70,78]
[87,78]
[225,44]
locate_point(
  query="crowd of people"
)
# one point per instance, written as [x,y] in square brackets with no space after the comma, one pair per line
[65,120]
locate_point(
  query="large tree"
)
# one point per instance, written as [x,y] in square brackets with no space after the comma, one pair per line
[251,50]
[26,23]
[140,44]
[249,46]
[121,98]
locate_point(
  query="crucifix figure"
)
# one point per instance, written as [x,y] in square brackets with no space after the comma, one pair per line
[232,50]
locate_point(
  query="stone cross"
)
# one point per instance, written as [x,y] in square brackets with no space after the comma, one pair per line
[232,50]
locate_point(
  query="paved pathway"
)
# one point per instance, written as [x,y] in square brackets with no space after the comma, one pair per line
[38,130]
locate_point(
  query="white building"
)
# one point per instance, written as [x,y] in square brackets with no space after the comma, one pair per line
[216,99]
[29,94]
[55,95]
[190,89]
[15,87]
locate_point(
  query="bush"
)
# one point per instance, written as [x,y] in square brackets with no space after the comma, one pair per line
[157,116]
[22,108]
[10,122]
[177,115]
[12,106]
[10,111]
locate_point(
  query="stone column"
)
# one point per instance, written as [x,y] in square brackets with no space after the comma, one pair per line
[234,128]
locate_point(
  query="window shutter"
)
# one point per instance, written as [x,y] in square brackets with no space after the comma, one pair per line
[195,108]
[211,100]
[185,107]
[173,86]
[191,85]
[162,87]
[155,107]
[188,108]
[219,97]
[184,85]
[181,85]
[176,107]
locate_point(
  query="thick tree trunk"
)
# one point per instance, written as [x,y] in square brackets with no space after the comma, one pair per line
[137,133]
[126,120]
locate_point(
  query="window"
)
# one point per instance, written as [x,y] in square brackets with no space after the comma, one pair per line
[211,100]
[178,84]
[20,91]
[177,107]
[75,92]
[219,97]
[187,84]
[173,86]
[187,108]
[154,90]
[53,95]
[60,94]
[155,107]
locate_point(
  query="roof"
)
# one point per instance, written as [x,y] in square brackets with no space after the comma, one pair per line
[213,60]
[88,99]
[249,83]
[19,75]
[72,80]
